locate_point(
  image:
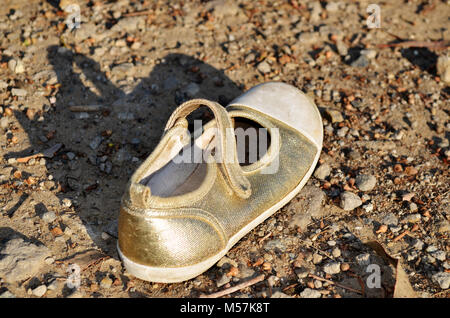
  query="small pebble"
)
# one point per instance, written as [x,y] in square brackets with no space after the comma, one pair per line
[332,268]
[317,284]
[365,182]
[192,89]
[275,245]
[70,155]
[342,131]
[53,285]
[310,293]
[336,252]
[334,115]
[96,142]
[443,279]
[412,255]
[66,202]
[350,201]
[382,229]
[354,155]
[418,244]
[370,54]
[106,282]
[361,61]
[390,219]
[19,92]
[40,291]
[429,259]
[368,207]
[443,226]
[363,259]
[81,115]
[341,47]
[7,294]
[49,216]
[4,123]
[345,267]
[105,236]
[223,280]
[439,255]
[272,280]
[412,218]
[279,294]
[317,258]
[264,67]
[322,172]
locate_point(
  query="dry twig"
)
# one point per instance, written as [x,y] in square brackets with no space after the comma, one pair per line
[438,45]
[87,108]
[138,13]
[398,238]
[48,153]
[235,288]
[336,284]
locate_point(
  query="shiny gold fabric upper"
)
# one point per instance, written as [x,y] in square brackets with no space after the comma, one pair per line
[194,229]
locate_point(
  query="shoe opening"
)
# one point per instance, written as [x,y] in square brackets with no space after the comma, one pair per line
[187,170]
[252,140]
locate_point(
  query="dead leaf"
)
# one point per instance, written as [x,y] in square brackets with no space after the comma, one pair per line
[403,288]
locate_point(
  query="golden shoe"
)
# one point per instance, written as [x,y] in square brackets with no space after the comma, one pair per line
[189,203]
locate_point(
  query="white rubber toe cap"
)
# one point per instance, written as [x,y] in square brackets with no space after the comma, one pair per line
[287,104]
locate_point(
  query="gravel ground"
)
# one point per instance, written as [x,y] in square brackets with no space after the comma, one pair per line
[383,172]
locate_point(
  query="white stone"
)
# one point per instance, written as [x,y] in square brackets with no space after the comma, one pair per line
[363,259]
[350,201]
[21,260]
[332,268]
[310,293]
[40,291]
[443,279]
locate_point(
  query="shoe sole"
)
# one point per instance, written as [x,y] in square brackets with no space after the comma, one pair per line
[179,274]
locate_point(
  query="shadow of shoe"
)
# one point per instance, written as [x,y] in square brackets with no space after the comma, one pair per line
[102,149]
[421,57]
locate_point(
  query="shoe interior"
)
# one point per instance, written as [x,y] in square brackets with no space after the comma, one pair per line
[256,142]
[178,177]
[187,170]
